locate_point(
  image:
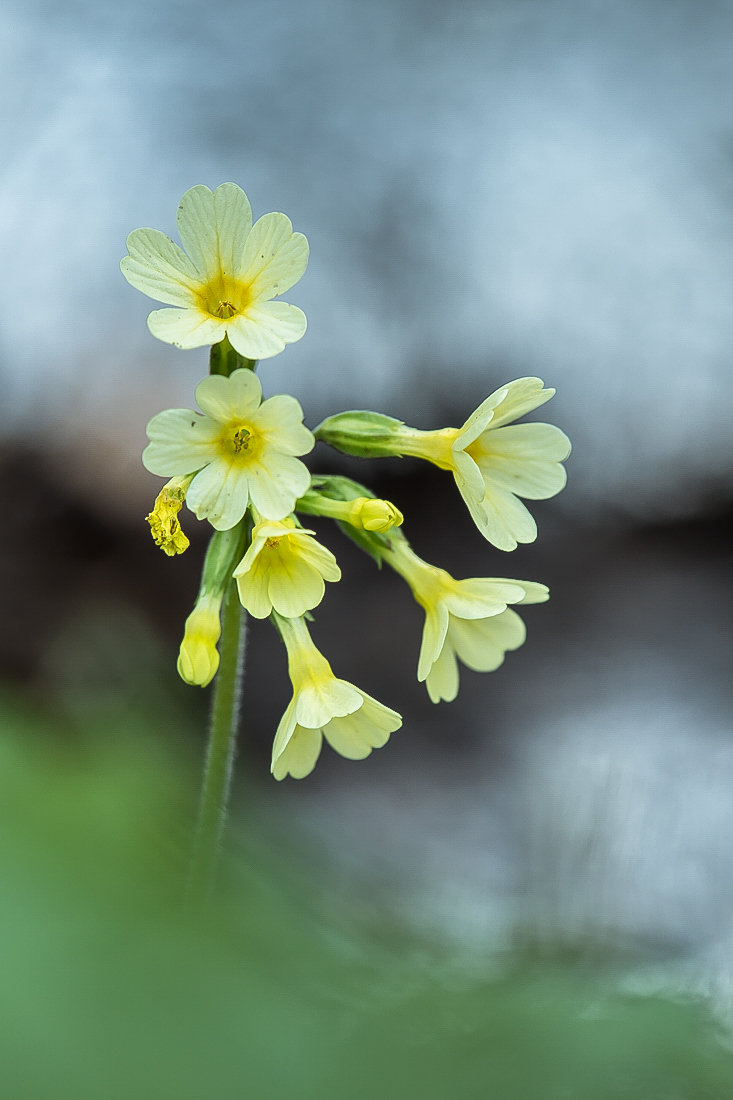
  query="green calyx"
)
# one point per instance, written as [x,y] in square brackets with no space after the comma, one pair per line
[361,433]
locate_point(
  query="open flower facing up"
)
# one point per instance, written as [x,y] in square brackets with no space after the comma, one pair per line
[224,283]
[284,568]
[198,659]
[467,619]
[241,448]
[493,461]
[351,721]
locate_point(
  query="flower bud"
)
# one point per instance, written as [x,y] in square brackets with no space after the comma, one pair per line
[373,514]
[198,659]
[361,433]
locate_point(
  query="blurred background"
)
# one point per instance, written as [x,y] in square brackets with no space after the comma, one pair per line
[491,189]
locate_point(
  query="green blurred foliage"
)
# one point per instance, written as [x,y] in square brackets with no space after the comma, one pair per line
[110,991]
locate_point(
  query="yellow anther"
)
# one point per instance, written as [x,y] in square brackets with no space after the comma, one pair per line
[241,440]
[226,309]
[272,544]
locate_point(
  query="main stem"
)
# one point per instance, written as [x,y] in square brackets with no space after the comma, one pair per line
[221,749]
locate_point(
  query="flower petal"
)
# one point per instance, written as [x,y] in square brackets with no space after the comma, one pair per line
[501,518]
[160,269]
[467,474]
[220,494]
[479,420]
[315,706]
[214,226]
[274,258]
[186,328]
[524,459]
[433,637]
[181,441]
[318,556]
[443,679]
[280,418]
[482,643]
[294,586]
[300,755]
[253,589]
[522,395]
[276,482]
[533,592]
[234,398]
[284,730]
[265,328]
[478,597]
[355,735]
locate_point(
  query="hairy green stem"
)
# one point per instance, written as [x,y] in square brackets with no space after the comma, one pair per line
[221,749]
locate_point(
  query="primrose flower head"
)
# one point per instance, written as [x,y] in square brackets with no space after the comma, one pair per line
[241,449]
[198,659]
[284,568]
[495,464]
[164,524]
[322,706]
[466,619]
[492,464]
[224,283]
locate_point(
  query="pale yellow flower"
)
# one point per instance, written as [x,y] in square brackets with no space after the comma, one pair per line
[352,722]
[284,568]
[242,450]
[198,659]
[222,285]
[466,619]
[493,461]
[164,523]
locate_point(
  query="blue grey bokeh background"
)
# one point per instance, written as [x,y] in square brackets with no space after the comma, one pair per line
[490,189]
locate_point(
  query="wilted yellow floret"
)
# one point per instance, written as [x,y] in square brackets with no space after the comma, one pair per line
[373,514]
[198,659]
[466,619]
[322,706]
[284,568]
[164,524]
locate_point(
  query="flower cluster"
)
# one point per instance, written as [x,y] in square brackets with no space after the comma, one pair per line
[236,462]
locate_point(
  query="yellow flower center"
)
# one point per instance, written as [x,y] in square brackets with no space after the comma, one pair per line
[240,443]
[225,297]
[272,543]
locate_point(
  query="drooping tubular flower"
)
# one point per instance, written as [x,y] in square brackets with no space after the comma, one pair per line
[466,619]
[224,282]
[352,722]
[240,448]
[493,461]
[284,568]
